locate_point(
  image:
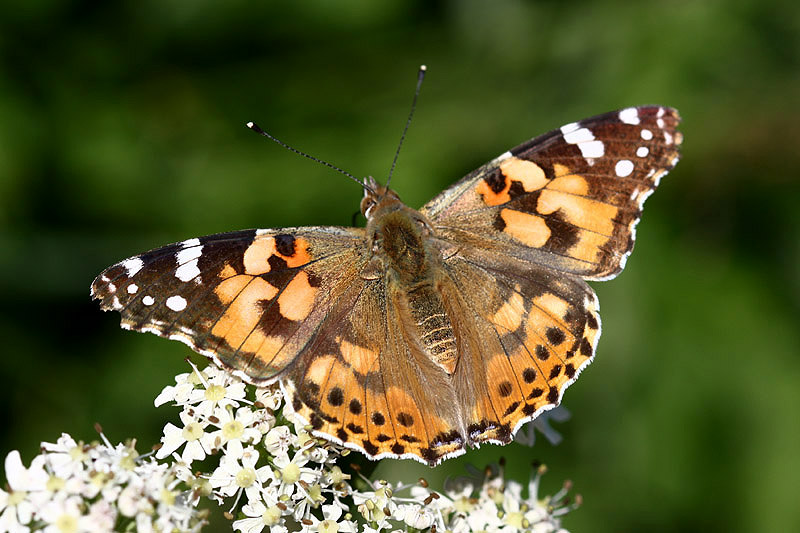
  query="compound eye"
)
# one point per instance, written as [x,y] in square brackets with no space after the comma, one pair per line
[366,206]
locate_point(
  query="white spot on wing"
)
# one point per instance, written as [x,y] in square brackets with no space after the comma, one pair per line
[647,134]
[187,260]
[623,168]
[133,265]
[642,151]
[567,128]
[578,136]
[176,303]
[629,115]
[592,149]
[148,300]
[132,288]
[667,137]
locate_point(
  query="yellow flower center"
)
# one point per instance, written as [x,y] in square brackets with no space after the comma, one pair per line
[16,497]
[271,516]
[245,477]
[54,484]
[232,430]
[192,431]
[215,393]
[290,473]
[167,497]
[515,520]
[328,526]
[66,523]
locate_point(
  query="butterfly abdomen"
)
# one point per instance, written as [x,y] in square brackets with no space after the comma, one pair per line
[433,326]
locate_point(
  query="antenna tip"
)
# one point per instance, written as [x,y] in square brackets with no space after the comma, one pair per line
[423,68]
[251,125]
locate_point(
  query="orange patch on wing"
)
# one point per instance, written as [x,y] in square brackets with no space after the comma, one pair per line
[510,314]
[319,369]
[230,288]
[301,254]
[528,173]
[584,213]
[256,256]
[552,303]
[297,299]
[359,358]
[244,309]
[490,197]
[227,272]
[589,245]
[502,380]
[528,229]
[570,183]
[560,170]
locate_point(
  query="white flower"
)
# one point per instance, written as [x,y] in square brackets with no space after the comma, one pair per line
[330,522]
[101,518]
[234,430]
[219,390]
[190,435]
[415,515]
[23,479]
[289,472]
[15,512]
[376,506]
[278,439]
[270,397]
[65,458]
[240,474]
[266,511]
[62,515]
[181,391]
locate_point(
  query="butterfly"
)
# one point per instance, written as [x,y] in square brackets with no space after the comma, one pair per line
[431,330]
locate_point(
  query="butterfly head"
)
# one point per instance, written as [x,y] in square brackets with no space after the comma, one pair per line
[377,197]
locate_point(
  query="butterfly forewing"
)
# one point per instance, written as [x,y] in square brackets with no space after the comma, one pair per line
[251,300]
[569,199]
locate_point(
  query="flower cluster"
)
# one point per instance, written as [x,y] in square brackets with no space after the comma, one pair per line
[238,447]
[75,487]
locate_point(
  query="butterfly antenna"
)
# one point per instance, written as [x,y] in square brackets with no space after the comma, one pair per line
[253,126]
[420,77]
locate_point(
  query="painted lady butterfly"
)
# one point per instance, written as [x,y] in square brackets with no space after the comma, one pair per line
[427,331]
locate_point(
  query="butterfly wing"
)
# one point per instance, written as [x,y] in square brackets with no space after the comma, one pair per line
[522,233]
[250,300]
[527,334]
[569,199]
[367,383]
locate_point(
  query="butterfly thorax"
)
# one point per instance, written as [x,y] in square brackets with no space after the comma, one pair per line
[405,255]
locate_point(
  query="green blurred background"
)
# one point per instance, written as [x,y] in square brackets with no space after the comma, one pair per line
[122,129]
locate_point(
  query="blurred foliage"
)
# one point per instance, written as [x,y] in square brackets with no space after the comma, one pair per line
[122,129]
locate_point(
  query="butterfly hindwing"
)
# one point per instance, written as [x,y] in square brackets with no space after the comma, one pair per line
[535,332]
[569,199]
[366,383]
[250,300]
